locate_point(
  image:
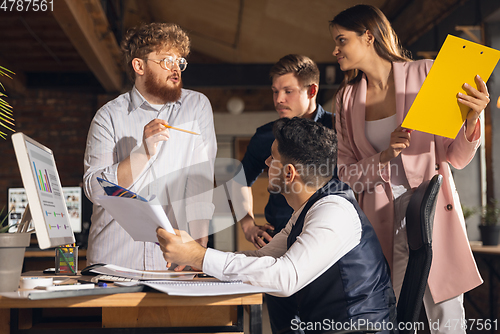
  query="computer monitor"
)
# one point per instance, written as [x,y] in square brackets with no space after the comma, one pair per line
[18,199]
[43,188]
[73,197]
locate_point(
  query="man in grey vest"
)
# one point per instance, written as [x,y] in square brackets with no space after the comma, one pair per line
[328,255]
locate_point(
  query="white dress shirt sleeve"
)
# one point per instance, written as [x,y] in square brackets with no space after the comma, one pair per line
[331,229]
[100,158]
[200,181]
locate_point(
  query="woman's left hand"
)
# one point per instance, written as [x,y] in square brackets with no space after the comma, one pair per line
[476,100]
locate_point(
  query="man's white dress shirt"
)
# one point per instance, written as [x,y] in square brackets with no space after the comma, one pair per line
[332,228]
[180,175]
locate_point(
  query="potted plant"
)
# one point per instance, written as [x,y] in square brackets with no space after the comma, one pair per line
[12,245]
[490,225]
[468,211]
[12,248]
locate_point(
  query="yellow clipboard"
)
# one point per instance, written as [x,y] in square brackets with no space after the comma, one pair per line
[436,110]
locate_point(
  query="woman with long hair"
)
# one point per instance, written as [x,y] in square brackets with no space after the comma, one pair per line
[376,159]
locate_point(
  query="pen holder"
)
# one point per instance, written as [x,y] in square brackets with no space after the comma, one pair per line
[67,260]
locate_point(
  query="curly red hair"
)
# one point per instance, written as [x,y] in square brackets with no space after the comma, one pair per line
[142,40]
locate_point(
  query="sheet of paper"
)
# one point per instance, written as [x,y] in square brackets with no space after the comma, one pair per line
[40,294]
[205,288]
[435,110]
[113,270]
[140,219]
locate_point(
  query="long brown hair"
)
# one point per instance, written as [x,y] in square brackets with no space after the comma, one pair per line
[359,19]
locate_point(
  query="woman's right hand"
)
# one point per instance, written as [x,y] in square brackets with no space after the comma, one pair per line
[400,139]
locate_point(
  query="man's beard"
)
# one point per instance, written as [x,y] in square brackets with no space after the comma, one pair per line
[276,184]
[160,89]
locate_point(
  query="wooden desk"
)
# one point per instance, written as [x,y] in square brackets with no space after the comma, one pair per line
[145,312]
[480,249]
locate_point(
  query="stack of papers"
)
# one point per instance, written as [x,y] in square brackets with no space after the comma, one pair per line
[178,283]
[141,275]
[128,208]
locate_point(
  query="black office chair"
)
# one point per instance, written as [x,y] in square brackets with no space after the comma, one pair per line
[419,223]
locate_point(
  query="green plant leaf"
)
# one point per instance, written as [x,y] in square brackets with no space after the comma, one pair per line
[4,229]
[468,211]
[490,214]
[6,72]
[5,108]
[6,117]
[7,227]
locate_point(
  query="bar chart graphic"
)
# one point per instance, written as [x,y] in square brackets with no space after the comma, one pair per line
[43,179]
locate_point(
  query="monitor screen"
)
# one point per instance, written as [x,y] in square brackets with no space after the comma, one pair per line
[43,188]
[18,199]
[73,197]
[17,203]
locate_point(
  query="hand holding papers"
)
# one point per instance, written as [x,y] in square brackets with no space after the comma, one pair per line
[140,218]
[435,110]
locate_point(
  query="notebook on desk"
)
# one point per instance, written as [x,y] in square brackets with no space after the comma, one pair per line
[137,275]
[205,288]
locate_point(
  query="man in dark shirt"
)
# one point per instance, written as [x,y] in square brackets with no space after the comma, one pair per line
[295,87]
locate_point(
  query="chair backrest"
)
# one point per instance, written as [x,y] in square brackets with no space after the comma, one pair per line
[419,222]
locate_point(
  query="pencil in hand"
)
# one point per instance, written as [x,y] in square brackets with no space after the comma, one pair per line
[178,129]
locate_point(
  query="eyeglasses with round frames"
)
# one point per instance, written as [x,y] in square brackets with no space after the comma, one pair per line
[167,63]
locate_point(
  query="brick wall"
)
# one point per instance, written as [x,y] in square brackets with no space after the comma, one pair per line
[56,118]
[60,120]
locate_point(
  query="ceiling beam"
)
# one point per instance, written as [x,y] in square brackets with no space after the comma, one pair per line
[392,8]
[86,25]
[419,16]
[214,48]
[468,30]
[134,14]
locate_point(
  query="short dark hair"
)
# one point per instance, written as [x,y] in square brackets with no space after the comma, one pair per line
[304,68]
[146,38]
[308,145]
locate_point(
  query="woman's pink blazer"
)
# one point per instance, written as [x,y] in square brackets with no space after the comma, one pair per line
[453,269]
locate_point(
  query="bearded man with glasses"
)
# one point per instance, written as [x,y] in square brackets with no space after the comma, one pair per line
[129,144]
